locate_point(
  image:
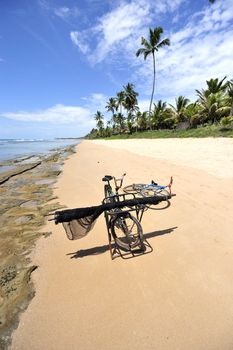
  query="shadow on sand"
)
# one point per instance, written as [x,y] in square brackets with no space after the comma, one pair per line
[104,248]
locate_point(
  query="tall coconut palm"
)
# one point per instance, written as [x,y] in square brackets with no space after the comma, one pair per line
[149,48]
[111,105]
[120,100]
[130,98]
[120,121]
[99,118]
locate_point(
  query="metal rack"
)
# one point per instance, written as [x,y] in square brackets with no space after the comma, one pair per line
[138,210]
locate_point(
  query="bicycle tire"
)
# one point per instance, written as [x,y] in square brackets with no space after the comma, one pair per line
[127,231]
[134,188]
[151,191]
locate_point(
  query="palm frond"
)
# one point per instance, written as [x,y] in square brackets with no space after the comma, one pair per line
[164,42]
[140,52]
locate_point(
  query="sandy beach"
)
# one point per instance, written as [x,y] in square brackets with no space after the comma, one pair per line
[177,297]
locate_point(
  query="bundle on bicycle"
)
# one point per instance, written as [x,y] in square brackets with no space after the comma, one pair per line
[123,215]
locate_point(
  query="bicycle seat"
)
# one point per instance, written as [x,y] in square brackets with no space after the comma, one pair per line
[107,178]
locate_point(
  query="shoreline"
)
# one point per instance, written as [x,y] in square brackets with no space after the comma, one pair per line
[26,188]
[178,296]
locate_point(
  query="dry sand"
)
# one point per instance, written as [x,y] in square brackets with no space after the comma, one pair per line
[179,297]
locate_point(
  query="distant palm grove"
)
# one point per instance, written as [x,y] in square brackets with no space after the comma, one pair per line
[214,104]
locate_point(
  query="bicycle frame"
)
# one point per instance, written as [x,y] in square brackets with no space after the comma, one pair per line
[110,215]
[160,187]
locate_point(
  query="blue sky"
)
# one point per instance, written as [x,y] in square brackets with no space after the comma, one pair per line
[61,60]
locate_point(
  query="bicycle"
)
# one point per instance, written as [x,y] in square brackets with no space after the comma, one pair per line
[125,229]
[152,189]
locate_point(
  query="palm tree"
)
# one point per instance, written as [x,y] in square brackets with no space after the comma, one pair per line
[149,48]
[120,121]
[111,105]
[215,86]
[130,98]
[179,109]
[142,122]
[120,100]
[158,114]
[137,120]
[99,118]
[230,94]
[213,106]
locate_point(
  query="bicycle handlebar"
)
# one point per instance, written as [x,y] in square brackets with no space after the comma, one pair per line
[117,180]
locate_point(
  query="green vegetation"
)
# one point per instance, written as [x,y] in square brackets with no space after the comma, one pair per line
[210,115]
[205,131]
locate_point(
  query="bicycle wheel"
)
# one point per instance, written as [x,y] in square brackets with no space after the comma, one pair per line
[127,231]
[151,191]
[134,188]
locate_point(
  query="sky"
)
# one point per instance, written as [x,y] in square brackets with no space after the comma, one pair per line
[61,60]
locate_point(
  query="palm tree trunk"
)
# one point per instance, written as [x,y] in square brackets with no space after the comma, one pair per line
[153,89]
[231,112]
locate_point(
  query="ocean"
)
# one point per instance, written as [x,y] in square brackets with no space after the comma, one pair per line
[12,149]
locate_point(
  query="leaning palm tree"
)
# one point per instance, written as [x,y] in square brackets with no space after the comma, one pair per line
[149,48]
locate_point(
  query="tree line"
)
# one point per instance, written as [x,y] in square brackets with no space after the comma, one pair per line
[214,104]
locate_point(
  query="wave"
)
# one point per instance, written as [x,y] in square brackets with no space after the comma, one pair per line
[24,140]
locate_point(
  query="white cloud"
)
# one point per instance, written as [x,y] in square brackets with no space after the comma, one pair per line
[62,12]
[65,12]
[96,101]
[120,28]
[78,41]
[58,114]
[61,114]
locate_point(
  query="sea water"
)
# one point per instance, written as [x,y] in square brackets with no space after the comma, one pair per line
[13,149]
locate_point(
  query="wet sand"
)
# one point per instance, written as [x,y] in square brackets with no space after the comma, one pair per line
[177,297]
[26,197]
